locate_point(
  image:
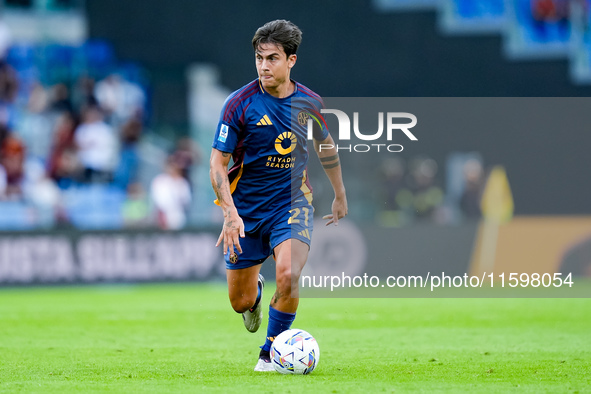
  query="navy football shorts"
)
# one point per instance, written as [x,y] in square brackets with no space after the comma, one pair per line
[262,236]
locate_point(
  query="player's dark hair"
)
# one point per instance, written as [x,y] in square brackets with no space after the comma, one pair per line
[279,32]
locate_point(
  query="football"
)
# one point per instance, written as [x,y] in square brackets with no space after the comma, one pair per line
[295,352]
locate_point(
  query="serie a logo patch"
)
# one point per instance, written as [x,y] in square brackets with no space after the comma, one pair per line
[223,133]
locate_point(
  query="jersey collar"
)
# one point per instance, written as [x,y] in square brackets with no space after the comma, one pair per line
[263,91]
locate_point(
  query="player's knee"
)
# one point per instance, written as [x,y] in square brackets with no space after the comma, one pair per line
[241,303]
[287,278]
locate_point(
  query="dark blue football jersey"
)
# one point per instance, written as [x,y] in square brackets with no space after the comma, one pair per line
[267,137]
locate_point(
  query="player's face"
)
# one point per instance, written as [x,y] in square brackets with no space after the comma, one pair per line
[273,65]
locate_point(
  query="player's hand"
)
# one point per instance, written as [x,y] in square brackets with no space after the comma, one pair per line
[339,210]
[231,233]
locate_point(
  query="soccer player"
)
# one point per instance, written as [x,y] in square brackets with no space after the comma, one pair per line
[265,196]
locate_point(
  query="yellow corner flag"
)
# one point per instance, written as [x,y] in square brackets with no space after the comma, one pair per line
[497,200]
[497,208]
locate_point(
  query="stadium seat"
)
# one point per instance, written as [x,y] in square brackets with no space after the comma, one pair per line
[16,215]
[95,207]
[56,63]
[95,58]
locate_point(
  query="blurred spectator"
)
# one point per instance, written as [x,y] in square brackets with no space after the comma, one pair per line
[427,196]
[136,208]
[187,154]
[8,83]
[63,165]
[549,13]
[41,191]
[3,183]
[126,173]
[171,195]
[120,99]
[397,199]
[550,10]
[97,146]
[60,98]
[473,186]
[83,93]
[393,172]
[12,157]
[8,92]
[5,39]
[38,98]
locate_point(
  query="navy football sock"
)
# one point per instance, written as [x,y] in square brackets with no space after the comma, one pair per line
[256,303]
[278,322]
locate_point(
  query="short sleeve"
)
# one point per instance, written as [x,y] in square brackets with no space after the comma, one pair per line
[226,135]
[319,130]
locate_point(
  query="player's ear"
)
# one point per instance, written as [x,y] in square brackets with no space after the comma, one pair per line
[291,60]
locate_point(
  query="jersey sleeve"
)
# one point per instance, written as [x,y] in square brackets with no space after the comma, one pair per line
[226,135]
[319,128]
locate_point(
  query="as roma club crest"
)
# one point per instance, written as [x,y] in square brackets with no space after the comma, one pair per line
[303,117]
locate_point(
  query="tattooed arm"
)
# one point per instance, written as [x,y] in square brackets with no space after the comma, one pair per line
[329,158]
[233,226]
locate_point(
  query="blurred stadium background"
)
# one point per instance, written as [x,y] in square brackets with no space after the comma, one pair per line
[108,109]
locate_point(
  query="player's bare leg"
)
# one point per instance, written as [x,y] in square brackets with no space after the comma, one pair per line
[245,289]
[290,258]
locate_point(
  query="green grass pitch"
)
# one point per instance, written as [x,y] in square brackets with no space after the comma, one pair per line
[185,338]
